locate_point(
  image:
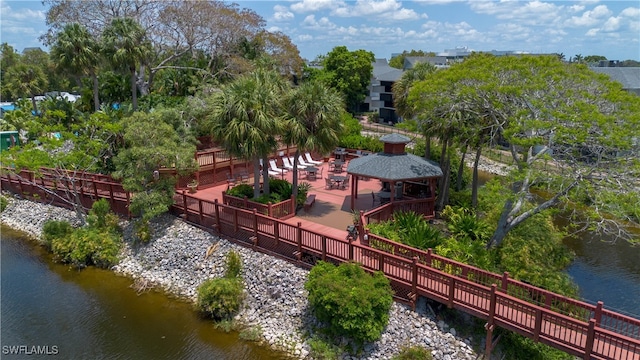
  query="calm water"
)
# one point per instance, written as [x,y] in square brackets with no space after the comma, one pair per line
[94,314]
[607,272]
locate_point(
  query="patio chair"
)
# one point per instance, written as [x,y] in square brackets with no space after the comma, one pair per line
[345,183]
[374,199]
[329,184]
[310,159]
[274,167]
[300,166]
[301,162]
[274,174]
[285,162]
[231,182]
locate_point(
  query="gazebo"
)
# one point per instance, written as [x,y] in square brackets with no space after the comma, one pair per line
[402,174]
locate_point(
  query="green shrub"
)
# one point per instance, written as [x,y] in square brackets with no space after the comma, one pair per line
[3,203]
[234,264]
[408,228]
[303,190]
[322,349]
[54,229]
[463,222]
[101,217]
[351,125]
[220,298]
[86,246]
[142,231]
[415,352]
[241,190]
[281,187]
[349,301]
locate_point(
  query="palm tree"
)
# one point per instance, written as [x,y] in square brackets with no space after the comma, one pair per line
[76,50]
[314,114]
[126,45]
[23,80]
[245,119]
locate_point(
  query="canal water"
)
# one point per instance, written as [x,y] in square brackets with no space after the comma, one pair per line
[94,314]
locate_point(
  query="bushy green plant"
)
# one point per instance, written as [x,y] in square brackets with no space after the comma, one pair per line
[464,222]
[323,349]
[87,246]
[101,217]
[241,190]
[3,203]
[142,230]
[415,352]
[349,301]
[55,229]
[281,187]
[220,298]
[351,125]
[303,190]
[409,228]
[234,264]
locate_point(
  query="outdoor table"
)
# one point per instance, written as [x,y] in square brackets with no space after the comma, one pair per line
[385,196]
[340,154]
[339,179]
[311,172]
[336,166]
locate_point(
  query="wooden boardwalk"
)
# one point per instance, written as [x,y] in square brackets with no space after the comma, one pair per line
[580,329]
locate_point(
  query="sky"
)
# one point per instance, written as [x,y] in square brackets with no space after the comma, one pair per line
[385,27]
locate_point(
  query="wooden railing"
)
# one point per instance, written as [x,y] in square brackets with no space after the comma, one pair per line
[385,212]
[597,334]
[469,289]
[283,210]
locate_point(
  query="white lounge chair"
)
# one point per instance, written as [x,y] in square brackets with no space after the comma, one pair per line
[285,162]
[274,167]
[301,162]
[310,159]
[300,166]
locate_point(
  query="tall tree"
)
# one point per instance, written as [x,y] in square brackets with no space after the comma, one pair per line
[350,73]
[313,114]
[76,51]
[126,45]
[580,122]
[8,58]
[26,80]
[245,118]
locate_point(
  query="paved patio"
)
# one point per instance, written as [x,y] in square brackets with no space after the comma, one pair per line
[330,213]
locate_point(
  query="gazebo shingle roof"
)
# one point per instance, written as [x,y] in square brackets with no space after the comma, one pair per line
[394,167]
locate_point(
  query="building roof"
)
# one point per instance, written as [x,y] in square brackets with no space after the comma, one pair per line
[395,138]
[629,77]
[383,72]
[394,167]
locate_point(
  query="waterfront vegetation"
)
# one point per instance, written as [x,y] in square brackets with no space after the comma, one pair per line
[98,243]
[221,298]
[580,123]
[349,301]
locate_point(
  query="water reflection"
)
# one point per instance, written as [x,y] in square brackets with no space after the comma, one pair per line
[93,314]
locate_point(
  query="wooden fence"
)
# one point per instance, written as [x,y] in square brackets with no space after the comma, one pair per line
[282,210]
[596,333]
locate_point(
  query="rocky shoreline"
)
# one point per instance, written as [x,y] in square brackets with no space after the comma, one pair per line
[175,260]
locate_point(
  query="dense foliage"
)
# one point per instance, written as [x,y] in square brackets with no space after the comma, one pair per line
[222,297]
[98,243]
[349,301]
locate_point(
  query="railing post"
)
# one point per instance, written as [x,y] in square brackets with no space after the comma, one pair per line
[255,223]
[246,202]
[489,326]
[591,334]
[538,326]
[184,204]
[299,237]
[324,248]
[276,231]
[452,291]
[381,260]
[350,249]
[414,280]
[505,281]
[269,209]
[200,212]
[216,207]
[428,259]
[597,316]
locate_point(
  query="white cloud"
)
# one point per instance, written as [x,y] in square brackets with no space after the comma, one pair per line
[323,24]
[612,24]
[282,14]
[315,5]
[382,10]
[590,17]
